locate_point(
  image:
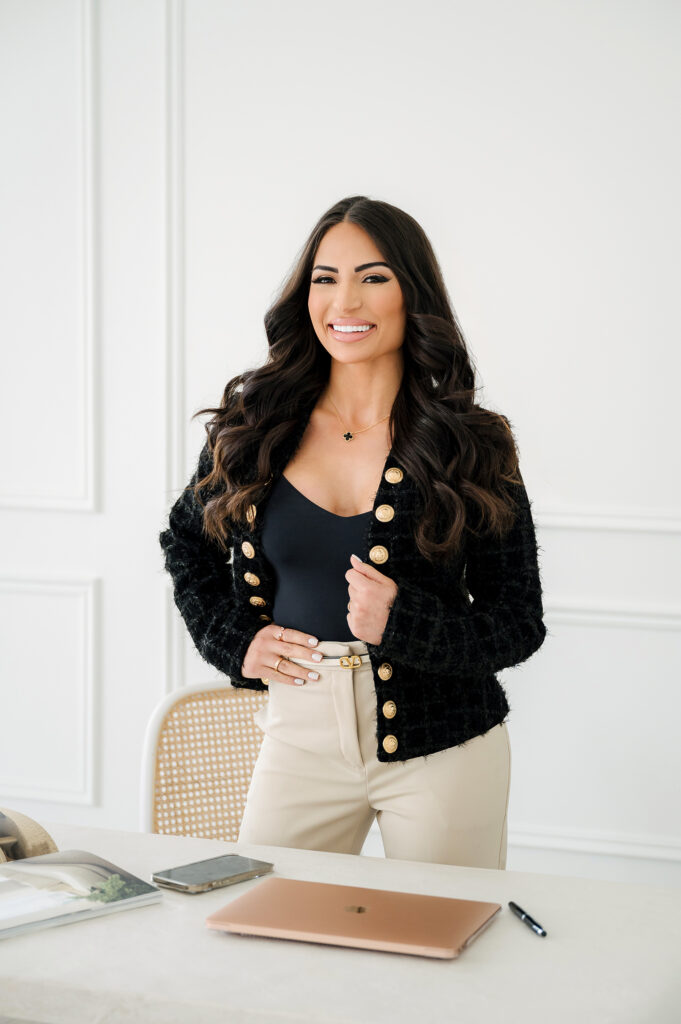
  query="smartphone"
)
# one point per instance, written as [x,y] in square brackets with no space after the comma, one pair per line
[212,873]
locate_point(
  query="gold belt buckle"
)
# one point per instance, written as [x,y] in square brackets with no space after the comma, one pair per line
[350,661]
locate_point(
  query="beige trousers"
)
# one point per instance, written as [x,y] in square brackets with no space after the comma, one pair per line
[318,785]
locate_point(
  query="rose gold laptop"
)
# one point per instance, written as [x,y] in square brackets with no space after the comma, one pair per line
[345,915]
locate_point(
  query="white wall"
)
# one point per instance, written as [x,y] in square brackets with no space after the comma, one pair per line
[165,163]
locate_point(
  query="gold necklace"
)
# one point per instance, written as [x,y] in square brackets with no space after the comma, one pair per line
[347,434]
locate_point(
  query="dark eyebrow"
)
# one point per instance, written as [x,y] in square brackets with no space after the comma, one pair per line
[362,266]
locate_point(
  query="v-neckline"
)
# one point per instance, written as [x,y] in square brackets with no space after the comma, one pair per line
[290,449]
[321,508]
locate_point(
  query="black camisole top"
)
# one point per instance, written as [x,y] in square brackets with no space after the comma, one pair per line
[309,549]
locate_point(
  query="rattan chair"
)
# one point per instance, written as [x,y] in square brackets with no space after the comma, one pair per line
[200,747]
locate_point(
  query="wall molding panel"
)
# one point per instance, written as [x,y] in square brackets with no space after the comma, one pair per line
[174,641]
[614,518]
[88,317]
[615,844]
[175,285]
[607,614]
[51,732]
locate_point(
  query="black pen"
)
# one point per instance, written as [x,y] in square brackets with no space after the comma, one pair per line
[526,919]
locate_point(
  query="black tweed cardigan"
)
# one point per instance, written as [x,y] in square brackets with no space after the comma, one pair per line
[434,670]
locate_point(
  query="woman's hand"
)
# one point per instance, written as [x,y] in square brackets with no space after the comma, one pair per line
[265,650]
[371,598]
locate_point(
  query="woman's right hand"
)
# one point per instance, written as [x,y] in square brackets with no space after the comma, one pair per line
[265,650]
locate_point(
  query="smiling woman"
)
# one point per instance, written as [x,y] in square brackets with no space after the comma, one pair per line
[359,444]
[367,260]
[348,304]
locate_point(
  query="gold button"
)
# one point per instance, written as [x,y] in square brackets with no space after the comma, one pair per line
[378,554]
[384,513]
[267,618]
[394,475]
[385,670]
[250,513]
[390,709]
[248,549]
[251,578]
[259,601]
[390,744]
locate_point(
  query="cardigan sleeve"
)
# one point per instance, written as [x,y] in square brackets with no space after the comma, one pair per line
[203,585]
[502,627]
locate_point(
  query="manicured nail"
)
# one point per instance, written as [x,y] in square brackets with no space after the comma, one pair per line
[317,656]
[312,640]
[300,682]
[313,675]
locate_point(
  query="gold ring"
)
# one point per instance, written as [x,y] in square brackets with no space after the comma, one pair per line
[278,663]
[265,681]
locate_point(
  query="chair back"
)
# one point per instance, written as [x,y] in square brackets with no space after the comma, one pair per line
[200,748]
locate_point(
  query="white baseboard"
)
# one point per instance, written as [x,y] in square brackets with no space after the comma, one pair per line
[636,860]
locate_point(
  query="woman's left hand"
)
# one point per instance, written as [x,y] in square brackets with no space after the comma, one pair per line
[371,598]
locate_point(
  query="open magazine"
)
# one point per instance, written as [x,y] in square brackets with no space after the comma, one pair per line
[65,886]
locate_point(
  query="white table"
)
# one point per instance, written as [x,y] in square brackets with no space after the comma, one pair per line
[612,954]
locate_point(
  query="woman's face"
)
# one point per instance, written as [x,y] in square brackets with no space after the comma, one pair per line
[344,291]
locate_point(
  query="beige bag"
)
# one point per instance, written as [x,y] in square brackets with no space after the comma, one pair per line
[21,837]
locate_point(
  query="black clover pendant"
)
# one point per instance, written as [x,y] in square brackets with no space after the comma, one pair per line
[348,436]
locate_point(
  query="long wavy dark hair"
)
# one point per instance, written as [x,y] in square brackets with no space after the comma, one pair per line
[460,454]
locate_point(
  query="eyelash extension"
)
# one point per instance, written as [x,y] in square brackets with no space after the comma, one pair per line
[325,277]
